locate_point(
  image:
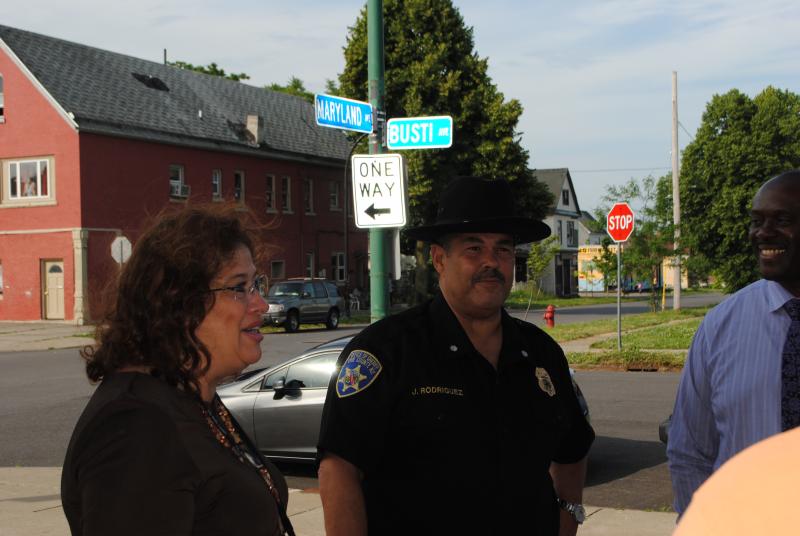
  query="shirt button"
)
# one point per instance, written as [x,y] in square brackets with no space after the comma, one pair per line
[453,348]
[524,353]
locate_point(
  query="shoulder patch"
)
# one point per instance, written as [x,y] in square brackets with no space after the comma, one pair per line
[358,372]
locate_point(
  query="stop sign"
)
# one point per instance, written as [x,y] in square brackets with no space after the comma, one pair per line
[619,222]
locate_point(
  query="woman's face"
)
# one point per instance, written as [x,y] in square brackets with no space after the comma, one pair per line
[230,329]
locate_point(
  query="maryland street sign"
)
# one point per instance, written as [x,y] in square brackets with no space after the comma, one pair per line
[346,114]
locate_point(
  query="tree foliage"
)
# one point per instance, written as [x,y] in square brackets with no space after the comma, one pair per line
[651,242]
[740,144]
[212,68]
[431,68]
[540,256]
[295,87]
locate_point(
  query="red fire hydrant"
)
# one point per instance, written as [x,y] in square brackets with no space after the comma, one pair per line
[550,316]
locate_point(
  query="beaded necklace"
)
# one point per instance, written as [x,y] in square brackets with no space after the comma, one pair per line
[227,432]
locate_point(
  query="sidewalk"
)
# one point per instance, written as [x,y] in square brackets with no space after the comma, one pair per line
[30,506]
[30,336]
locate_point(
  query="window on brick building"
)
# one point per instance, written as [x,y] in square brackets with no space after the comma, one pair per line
[277,270]
[308,196]
[216,184]
[270,193]
[286,194]
[178,189]
[27,181]
[2,102]
[334,195]
[238,186]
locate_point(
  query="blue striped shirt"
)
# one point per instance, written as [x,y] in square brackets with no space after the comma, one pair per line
[729,395]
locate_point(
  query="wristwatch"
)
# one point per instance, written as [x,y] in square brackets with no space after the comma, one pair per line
[574,509]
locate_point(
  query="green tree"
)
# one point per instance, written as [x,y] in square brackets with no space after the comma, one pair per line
[651,242]
[212,68]
[540,256]
[295,87]
[431,68]
[741,143]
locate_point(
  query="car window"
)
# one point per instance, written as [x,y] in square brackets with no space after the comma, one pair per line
[333,292]
[308,287]
[314,372]
[270,379]
[285,289]
[319,289]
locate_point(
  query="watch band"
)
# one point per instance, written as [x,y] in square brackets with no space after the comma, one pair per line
[576,510]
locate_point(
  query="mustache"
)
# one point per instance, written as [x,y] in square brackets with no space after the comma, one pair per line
[489,273]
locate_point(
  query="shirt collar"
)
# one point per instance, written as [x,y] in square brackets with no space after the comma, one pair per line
[453,340]
[776,295]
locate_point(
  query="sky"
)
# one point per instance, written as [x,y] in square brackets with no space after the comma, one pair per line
[594,77]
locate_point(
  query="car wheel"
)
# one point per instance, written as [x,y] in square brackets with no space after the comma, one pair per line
[292,323]
[333,319]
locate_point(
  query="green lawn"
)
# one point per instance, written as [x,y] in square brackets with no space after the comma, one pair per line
[581,330]
[630,359]
[673,336]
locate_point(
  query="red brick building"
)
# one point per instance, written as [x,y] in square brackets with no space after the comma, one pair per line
[93,142]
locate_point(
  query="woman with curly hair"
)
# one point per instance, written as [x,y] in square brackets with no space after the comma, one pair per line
[155,451]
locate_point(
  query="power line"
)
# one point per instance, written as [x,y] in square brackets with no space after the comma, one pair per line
[686,131]
[615,170]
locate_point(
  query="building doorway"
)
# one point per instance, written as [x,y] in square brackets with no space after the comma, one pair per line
[53,289]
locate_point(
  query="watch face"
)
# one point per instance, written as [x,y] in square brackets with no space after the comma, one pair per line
[579,513]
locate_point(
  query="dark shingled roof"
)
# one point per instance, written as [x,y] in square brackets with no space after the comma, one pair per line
[554,180]
[100,90]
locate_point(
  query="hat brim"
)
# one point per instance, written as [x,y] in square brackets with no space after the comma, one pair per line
[523,230]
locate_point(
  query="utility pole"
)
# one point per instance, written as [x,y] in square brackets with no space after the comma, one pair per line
[676,196]
[378,275]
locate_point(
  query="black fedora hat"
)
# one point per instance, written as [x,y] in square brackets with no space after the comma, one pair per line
[473,204]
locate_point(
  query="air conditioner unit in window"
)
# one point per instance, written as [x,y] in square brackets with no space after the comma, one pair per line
[176,189]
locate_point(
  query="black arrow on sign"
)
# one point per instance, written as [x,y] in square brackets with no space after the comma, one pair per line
[371,211]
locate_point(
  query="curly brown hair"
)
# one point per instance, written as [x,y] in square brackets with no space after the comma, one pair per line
[162,295]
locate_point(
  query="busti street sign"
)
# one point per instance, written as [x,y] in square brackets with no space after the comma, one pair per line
[620,222]
[379,190]
[434,132]
[346,114]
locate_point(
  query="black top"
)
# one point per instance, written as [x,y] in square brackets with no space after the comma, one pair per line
[143,460]
[447,443]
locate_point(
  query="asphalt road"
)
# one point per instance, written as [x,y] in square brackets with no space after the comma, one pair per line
[43,393]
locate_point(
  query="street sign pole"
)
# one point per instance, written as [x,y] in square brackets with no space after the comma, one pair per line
[620,222]
[619,297]
[378,275]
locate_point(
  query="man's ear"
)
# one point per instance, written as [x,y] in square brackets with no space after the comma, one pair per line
[437,257]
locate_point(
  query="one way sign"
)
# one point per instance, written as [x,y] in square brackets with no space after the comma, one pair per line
[379,190]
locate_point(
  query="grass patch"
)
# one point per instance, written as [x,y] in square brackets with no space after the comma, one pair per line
[518,299]
[630,358]
[673,336]
[581,330]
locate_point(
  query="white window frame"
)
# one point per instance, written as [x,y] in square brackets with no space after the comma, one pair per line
[286,194]
[216,184]
[239,193]
[560,232]
[270,193]
[572,234]
[276,273]
[11,170]
[2,101]
[565,197]
[178,189]
[333,196]
[337,265]
[308,196]
[309,264]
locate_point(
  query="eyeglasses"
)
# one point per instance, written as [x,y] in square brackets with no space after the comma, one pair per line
[242,292]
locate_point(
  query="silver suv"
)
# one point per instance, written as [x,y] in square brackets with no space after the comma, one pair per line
[303,301]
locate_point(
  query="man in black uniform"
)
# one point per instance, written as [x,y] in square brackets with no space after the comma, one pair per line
[453,417]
